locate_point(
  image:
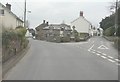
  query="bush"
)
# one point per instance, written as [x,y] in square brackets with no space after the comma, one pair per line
[19,27]
[8,36]
[84,36]
[65,39]
[77,39]
[109,31]
[21,32]
[13,41]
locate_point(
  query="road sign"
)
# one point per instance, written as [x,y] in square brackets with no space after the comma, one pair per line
[102,47]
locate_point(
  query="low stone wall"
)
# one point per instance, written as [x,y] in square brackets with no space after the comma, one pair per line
[109,38]
[114,39]
[13,49]
[6,66]
[13,42]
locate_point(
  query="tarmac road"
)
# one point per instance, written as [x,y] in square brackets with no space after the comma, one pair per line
[95,59]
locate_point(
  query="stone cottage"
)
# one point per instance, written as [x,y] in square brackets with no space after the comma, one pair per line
[40,32]
[54,32]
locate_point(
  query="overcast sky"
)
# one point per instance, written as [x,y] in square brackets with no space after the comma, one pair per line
[56,11]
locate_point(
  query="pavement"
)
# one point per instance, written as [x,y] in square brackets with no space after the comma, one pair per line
[0,71]
[6,66]
[95,59]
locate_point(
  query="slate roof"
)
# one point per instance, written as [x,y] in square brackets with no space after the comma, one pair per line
[58,26]
[83,18]
[41,26]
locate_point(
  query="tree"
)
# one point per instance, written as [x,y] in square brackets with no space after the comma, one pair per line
[109,21]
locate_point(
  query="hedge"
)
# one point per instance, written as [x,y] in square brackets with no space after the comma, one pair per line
[109,31]
[13,41]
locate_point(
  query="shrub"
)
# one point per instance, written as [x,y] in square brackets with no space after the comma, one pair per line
[77,39]
[56,39]
[21,32]
[8,36]
[65,39]
[109,31]
[84,35]
[13,41]
[19,27]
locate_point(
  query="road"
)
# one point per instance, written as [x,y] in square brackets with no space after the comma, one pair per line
[95,59]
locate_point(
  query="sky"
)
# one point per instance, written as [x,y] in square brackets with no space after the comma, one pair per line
[57,11]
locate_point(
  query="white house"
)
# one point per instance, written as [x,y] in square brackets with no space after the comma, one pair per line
[7,18]
[82,25]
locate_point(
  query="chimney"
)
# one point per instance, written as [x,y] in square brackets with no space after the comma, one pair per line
[81,13]
[43,21]
[8,6]
[47,23]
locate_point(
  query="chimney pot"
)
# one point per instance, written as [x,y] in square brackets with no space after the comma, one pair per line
[8,6]
[81,13]
[43,21]
[47,23]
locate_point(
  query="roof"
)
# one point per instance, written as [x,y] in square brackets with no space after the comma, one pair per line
[41,26]
[83,18]
[58,26]
[11,12]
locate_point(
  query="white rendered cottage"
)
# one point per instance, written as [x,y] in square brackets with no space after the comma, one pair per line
[82,25]
[7,18]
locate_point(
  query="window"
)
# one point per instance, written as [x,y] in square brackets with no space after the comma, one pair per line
[2,12]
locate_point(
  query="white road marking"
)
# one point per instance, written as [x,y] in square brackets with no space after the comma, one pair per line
[93,52]
[98,54]
[118,64]
[91,47]
[104,57]
[102,47]
[111,60]
[88,50]
[104,54]
[110,57]
[117,60]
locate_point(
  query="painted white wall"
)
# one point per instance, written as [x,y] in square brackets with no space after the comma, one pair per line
[8,20]
[81,25]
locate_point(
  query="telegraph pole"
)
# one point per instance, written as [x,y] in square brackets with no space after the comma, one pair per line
[25,15]
[116,17]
